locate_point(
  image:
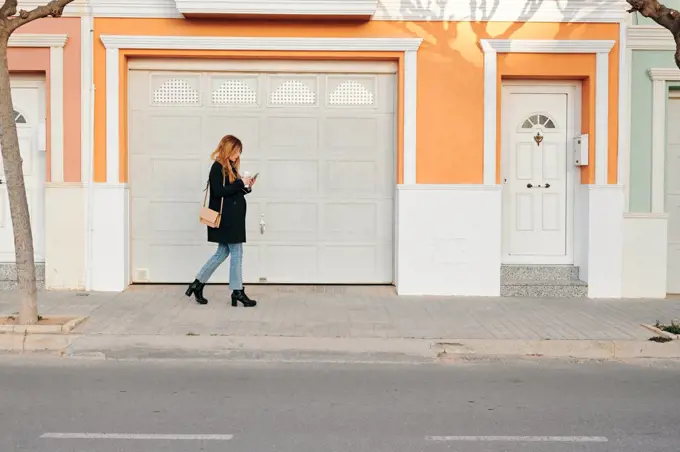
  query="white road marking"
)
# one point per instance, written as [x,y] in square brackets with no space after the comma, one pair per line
[523,439]
[136,436]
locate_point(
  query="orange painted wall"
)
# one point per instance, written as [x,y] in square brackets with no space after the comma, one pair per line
[450,78]
[579,68]
[38,60]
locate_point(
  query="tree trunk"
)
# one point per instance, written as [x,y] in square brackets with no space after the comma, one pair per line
[16,189]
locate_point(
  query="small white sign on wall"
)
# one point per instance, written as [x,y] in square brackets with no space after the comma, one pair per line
[581,150]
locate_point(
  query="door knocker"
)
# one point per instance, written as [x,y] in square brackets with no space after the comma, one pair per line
[538,138]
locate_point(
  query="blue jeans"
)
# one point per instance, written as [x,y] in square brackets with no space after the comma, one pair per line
[235,264]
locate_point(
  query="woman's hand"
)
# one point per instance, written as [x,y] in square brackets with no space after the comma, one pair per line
[252,182]
[247,181]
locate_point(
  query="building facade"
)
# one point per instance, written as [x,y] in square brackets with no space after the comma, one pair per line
[442,149]
[652,195]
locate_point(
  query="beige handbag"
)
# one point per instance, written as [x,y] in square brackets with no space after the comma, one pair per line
[208,216]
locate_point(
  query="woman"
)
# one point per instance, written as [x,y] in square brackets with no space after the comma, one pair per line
[226,183]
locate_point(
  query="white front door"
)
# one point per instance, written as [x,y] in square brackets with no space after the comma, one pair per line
[28,96]
[536,181]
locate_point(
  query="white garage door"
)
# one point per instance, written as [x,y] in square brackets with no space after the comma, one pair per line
[322,136]
[673,192]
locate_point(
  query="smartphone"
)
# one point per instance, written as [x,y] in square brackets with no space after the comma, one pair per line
[255,176]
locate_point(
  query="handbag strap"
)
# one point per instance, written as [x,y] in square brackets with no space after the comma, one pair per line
[222,198]
[207,187]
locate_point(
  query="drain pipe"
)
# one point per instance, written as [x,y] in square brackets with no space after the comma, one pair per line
[87,62]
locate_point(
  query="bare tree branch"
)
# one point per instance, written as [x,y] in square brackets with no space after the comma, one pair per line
[668,18]
[9,8]
[54,8]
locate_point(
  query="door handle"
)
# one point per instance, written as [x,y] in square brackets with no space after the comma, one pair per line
[547,185]
[529,185]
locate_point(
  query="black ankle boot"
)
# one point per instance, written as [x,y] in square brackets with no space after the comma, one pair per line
[240,295]
[196,289]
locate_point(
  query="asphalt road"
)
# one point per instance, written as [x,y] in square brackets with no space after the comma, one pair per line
[51,405]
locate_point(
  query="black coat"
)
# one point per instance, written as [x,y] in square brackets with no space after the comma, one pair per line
[233,224]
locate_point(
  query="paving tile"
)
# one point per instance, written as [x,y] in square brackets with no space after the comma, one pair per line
[351,312]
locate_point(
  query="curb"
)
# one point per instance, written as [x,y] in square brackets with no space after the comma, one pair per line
[258,347]
[580,349]
[63,328]
[662,333]
[45,342]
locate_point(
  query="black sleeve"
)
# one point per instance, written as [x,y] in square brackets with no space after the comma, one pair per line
[228,189]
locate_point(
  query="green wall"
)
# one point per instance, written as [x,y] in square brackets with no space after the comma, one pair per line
[641,125]
[639,20]
[641,117]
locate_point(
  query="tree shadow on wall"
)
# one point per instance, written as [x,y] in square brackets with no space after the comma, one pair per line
[448,17]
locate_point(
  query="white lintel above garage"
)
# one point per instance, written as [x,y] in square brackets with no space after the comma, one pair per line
[345,9]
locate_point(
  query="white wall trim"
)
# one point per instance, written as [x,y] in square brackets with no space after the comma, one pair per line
[250,43]
[649,37]
[659,78]
[356,8]
[646,215]
[449,187]
[75,8]
[623,164]
[395,10]
[601,48]
[56,43]
[135,8]
[112,118]
[37,40]
[113,44]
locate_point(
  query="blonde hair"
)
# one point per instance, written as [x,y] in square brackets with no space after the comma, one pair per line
[229,145]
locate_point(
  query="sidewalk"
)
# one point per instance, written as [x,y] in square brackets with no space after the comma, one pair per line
[358,315]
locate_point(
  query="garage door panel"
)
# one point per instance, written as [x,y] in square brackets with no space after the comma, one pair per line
[140,169]
[176,178]
[179,89]
[291,222]
[252,264]
[300,134]
[140,210]
[161,262]
[673,209]
[352,91]
[174,217]
[235,90]
[138,92]
[347,178]
[253,215]
[291,263]
[673,167]
[363,264]
[350,222]
[246,128]
[292,90]
[172,134]
[347,134]
[290,177]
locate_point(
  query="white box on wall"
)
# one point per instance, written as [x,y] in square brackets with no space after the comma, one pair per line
[645,249]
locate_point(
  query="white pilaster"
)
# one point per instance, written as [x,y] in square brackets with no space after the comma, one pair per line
[410,117]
